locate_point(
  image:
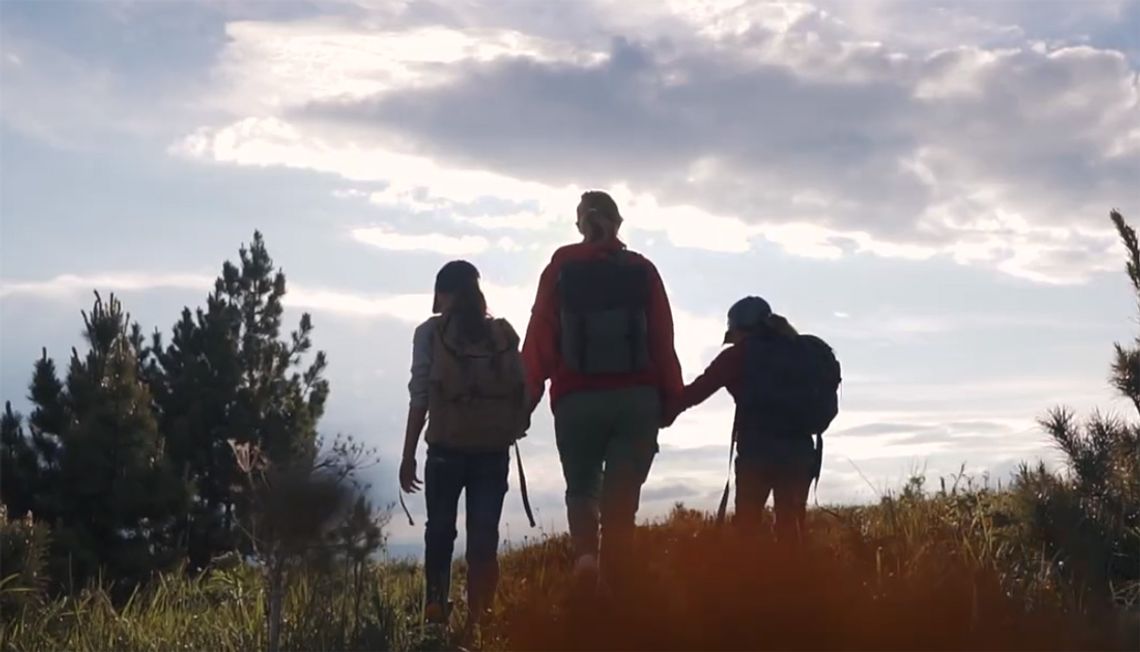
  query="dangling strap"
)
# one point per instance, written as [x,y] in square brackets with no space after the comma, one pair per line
[522,486]
[720,512]
[522,489]
[818,469]
[405,506]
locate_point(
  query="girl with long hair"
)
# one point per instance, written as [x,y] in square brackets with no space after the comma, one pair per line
[467,377]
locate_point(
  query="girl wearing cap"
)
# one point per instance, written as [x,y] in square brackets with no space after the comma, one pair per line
[774,456]
[468,436]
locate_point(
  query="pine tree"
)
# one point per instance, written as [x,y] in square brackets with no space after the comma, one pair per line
[19,466]
[105,482]
[129,457]
[228,375]
[1103,456]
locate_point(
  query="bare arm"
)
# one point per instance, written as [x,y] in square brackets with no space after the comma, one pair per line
[417,406]
[417,417]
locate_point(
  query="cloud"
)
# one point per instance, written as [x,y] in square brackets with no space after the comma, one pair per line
[66,285]
[902,324]
[387,238]
[414,181]
[512,302]
[667,490]
[986,156]
[697,339]
[404,307]
[825,147]
[270,65]
[951,433]
[988,136]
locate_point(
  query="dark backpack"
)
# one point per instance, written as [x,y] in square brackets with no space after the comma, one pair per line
[791,385]
[604,314]
[791,388]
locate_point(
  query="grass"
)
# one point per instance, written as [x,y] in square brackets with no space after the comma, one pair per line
[958,568]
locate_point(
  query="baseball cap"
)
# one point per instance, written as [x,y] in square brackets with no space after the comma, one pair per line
[452,277]
[747,314]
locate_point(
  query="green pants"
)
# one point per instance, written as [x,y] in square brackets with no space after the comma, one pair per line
[606,441]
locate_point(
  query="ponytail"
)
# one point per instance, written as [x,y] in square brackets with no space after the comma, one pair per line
[779,326]
[600,216]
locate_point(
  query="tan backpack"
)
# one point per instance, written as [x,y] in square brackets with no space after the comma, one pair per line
[477,396]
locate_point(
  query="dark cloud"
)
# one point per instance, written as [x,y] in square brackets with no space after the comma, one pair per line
[963,145]
[644,116]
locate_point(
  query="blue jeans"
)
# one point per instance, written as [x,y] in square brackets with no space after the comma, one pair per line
[484,477]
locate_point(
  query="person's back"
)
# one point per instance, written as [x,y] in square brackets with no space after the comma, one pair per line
[467,376]
[602,331]
[477,390]
[784,385]
[600,321]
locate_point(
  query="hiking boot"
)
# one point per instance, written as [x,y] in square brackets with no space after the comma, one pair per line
[585,576]
[477,620]
[436,613]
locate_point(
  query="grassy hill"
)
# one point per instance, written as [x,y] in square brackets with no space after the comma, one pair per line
[963,567]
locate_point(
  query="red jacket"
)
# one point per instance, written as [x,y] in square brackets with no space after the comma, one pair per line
[542,354]
[726,370]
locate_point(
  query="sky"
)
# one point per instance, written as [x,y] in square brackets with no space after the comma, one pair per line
[925,185]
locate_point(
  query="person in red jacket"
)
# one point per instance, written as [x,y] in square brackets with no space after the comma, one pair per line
[601,331]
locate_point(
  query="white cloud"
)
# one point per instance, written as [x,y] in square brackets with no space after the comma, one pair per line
[511,302]
[780,120]
[697,339]
[404,307]
[66,285]
[389,239]
[271,141]
[419,184]
[274,65]
[685,225]
[524,221]
[805,239]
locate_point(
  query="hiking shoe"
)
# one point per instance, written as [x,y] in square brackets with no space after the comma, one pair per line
[586,575]
[477,620]
[586,565]
[436,613]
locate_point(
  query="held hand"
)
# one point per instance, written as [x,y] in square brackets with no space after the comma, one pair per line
[408,480]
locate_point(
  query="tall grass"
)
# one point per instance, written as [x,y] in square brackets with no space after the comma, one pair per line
[225,610]
[952,569]
[962,567]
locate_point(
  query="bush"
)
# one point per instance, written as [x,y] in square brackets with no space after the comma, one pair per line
[24,545]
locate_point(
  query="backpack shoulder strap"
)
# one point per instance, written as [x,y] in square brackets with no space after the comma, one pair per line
[522,485]
[504,334]
[442,347]
[722,509]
